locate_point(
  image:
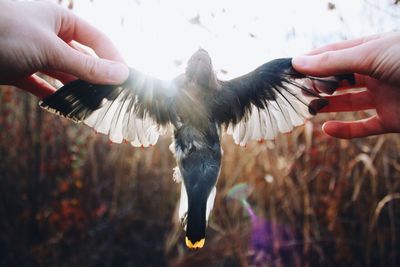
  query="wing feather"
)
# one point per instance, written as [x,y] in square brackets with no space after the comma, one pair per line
[135,111]
[270,100]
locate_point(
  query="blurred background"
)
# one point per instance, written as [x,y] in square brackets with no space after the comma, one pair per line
[69,198]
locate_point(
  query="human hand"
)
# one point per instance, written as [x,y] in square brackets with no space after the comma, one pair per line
[42,37]
[375,60]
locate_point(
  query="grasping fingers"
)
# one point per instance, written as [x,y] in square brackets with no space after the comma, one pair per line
[348,60]
[89,68]
[375,62]
[375,56]
[65,57]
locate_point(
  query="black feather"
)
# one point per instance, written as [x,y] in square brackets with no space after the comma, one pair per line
[233,101]
[78,99]
[197,107]
[200,167]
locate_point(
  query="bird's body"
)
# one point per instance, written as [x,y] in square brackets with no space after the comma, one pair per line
[197,145]
[198,155]
[271,99]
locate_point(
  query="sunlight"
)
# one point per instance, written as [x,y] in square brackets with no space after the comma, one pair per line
[194,162]
[158,37]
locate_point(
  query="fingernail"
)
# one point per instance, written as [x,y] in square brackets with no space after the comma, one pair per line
[316,105]
[327,86]
[300,61]
[323,127]
[324,130]
[118,73]
[327,128]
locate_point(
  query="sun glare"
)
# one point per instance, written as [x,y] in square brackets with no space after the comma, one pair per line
[157,37]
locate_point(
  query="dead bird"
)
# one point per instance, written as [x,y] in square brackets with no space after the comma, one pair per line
[272,99]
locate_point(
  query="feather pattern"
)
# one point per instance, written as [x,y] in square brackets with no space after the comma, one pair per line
[134,112]
[272,99]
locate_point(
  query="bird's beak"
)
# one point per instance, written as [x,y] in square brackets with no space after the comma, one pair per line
[196,245]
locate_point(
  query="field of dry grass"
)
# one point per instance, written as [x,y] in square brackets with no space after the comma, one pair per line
[69,198]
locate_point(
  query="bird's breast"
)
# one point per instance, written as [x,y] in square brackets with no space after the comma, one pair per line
[190,138]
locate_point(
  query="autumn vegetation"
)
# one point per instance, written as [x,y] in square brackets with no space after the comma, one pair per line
[70,198]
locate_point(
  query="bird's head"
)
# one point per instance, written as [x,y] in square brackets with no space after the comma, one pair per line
[196,223]
[198,203]
[200,70]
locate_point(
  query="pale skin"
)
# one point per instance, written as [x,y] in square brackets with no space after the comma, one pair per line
[41,37]
[375,60]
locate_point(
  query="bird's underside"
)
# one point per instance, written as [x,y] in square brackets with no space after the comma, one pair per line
[272,99]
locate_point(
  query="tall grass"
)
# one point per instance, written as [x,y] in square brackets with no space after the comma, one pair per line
[69,198]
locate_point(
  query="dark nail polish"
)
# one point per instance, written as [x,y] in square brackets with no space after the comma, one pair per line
[316,105]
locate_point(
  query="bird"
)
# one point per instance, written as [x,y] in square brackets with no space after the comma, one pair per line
[273,98]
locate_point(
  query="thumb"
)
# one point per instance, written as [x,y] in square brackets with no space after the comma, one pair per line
[358,59]
[88,68]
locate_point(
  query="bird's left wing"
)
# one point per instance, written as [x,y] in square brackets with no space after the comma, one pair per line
[272,99]
[134,111]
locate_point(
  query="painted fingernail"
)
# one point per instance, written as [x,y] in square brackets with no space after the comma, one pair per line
[316,105]
[327,86]
[117,72]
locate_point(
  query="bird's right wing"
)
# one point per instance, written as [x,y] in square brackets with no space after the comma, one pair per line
[272,99]
[135,111]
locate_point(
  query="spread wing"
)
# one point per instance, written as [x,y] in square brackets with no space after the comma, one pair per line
[134,112]
[272,99]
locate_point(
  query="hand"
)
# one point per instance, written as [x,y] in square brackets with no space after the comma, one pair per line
[375,60]
[42,37]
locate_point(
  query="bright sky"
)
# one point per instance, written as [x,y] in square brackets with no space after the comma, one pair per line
[155,36]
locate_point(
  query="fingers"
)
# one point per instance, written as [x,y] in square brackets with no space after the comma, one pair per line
[361,56]
[36,86]
[71,60]
[354,129]
[349,60]
[75,28]
[349,102]
[88,68]
[361,81]
[343,44]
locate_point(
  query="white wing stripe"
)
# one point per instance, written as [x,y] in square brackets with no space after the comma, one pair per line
[281,115]
[210,202]
[118,120]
